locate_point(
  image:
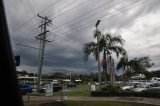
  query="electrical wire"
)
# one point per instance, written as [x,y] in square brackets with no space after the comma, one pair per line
[80,28]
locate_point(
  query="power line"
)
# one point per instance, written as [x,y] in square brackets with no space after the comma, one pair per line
[27,46]
[68,36]
[80,28]
[49,7]
[27,32]
[30,6]
[79,47]
[70,9]
[100,16]
[83,27]
[67,5]
[82,3]
[91,24]
[57,11]
[35,15]
[91,14]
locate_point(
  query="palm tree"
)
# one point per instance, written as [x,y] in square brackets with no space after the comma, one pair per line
[127,65]
[123,63]
[107,45]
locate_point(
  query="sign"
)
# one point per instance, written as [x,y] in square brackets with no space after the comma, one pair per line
[93,88]
[49,89]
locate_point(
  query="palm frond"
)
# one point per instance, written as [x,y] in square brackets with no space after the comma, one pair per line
[88,48]
[118,50]
[122,63]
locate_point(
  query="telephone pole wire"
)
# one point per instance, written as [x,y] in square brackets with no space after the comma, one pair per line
[43,40]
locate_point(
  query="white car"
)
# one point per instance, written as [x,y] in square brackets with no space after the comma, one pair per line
[130,86]
[149,87]
[138,76]
[155,79]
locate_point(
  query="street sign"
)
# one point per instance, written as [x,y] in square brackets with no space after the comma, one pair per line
[49,89]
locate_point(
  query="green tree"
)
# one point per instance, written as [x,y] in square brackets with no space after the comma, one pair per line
[136,65]
[140,65]
[123,64]
[107,44]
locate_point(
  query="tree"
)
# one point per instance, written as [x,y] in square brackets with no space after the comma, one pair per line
[135,66]
[123,63]
[107,44]
[140,65]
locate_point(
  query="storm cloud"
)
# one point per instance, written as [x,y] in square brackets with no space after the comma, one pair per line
[73,23]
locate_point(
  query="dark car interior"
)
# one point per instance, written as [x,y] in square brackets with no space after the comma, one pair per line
[10,92]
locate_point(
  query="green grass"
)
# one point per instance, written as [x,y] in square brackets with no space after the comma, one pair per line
[79,93]
[74,93]
[31,105]
[94,103]
[102,103]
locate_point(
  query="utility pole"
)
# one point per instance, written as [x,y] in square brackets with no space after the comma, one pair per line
[43,40]
[99,66]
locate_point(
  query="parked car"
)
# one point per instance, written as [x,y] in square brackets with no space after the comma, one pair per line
[155,79]
[149,87]
[71,85]
[129,86]
[56,87]
[138,76]
[25,88]
[96,83]
[42,89]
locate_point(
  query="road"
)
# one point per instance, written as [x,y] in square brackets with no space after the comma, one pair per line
[46,99]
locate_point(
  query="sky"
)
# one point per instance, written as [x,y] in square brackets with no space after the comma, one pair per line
[73,24]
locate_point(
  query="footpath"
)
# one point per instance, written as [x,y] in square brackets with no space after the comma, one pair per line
[45,99]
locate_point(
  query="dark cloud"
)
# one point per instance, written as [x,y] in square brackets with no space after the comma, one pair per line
[65,52]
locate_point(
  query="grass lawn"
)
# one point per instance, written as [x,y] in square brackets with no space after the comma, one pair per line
[95,103]
[31,105]
[74,93]
[102,103]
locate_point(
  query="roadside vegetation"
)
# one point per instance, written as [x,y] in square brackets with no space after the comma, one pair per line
[73,93]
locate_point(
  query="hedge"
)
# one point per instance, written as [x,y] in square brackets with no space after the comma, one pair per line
[140,94]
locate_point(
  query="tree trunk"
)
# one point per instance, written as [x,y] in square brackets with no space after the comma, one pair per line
[124,73]
[105,66]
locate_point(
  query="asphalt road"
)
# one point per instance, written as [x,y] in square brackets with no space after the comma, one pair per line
[46,99]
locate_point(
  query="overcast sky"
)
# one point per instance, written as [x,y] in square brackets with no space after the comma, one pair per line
[73,23]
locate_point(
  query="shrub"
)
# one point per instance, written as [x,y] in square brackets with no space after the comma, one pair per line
[102,93]
[140,94]
[124,93]
[110,88]
[153,94]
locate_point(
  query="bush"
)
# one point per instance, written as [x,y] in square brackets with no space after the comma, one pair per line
[110,88]
[124,93]
[102,93]
[153,94]
[140,94]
